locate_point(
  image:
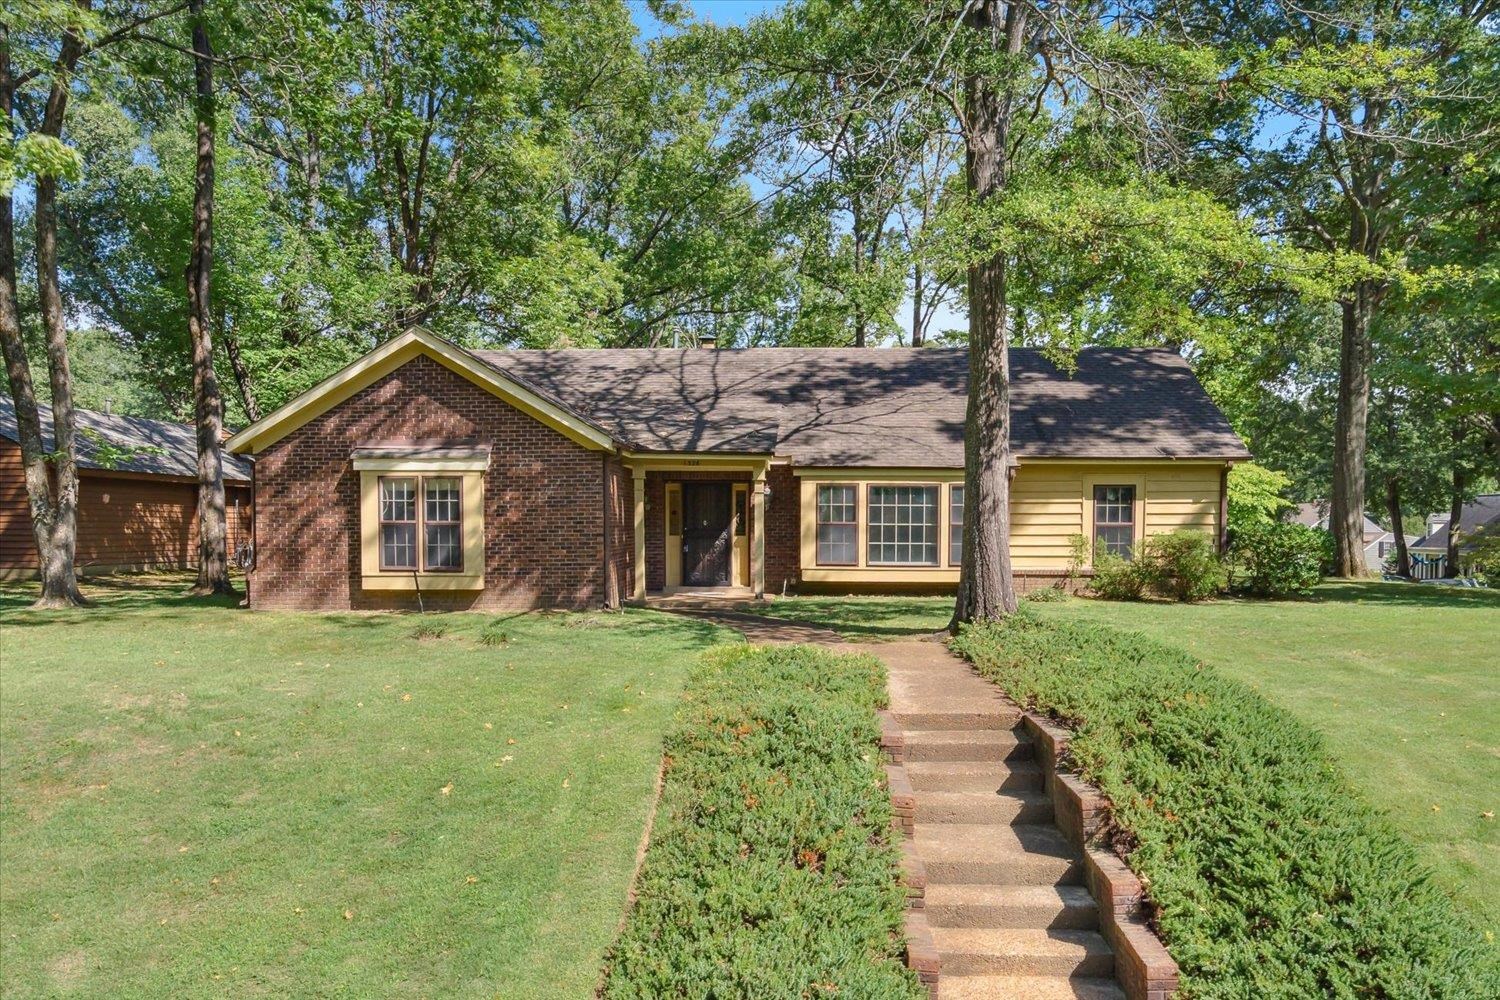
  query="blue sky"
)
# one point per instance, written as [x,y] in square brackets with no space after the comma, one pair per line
[727,12]
[717,11]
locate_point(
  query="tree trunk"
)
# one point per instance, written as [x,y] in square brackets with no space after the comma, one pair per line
[17,367]
[213,559]
[59,507]
[1455,513]
[1346,518]
[1393,509]
[916,304]
[986,590]
[242,377]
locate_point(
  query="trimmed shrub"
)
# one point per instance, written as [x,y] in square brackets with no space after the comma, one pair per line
[1278,558]
[1272,878]
[1117,578]
[1183,565]
[772,865]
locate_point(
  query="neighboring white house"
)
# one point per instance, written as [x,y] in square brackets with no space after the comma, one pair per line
[1379,543]
[1483,512]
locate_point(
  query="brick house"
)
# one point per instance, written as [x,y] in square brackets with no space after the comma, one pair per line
[571,478]
[137,494]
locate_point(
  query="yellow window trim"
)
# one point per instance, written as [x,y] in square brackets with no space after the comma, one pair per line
[372,577]
[392,355]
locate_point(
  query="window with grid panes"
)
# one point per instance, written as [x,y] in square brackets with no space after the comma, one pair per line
[955,525]
[838,529]
[902,526]
[1114,519]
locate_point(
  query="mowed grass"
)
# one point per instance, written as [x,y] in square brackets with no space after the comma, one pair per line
[1402,681]
[202,801]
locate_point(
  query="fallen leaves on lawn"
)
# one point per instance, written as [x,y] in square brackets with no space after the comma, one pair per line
[406,697]
[447,789]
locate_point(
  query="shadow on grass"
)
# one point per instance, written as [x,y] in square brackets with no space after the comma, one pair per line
[163,597]
[1407,594]
[861,617]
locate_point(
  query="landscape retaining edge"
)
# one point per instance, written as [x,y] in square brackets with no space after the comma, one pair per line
[1143,967]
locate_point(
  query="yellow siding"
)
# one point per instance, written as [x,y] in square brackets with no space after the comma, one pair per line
[1051,502]
[1189,499]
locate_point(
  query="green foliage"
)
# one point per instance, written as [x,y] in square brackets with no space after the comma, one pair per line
[771,869]
[1119,579]
[1257,495]
[1278,559]
[1045,595]
[429,628]
[493,637]
[1183,565]
[1271,877]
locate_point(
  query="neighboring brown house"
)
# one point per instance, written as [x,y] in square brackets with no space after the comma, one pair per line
[518,479]
[138,494]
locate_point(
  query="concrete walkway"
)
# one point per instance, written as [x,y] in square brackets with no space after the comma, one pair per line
[1004,906]
[1004,902]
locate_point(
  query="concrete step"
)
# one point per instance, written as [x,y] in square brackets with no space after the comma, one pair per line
[983,807]
[996,854]
[1026,988]
[969,951]
[975,776]
[968,744]
[1059,907]
[953,713]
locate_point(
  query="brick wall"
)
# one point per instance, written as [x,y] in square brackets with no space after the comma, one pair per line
[543,499]
[125,520]
[783,530]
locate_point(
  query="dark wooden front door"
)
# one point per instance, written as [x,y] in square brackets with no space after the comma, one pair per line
[706,540]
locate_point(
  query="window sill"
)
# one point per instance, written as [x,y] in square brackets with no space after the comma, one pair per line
[427,581]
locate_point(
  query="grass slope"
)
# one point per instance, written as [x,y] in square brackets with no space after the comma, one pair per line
[1400,680]
[771,870]
[1273,877]
[201,801]
[1402,683]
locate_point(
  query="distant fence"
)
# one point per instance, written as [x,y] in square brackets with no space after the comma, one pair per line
[1428,567]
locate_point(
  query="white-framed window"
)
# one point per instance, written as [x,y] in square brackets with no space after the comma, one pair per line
[437,520]
[955,525]
[902,525]
[838,528]
[1114,520]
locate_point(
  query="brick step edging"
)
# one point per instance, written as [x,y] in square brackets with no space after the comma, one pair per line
[1143,967]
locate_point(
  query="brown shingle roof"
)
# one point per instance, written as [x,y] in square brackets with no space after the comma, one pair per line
[153,447]
[879,407]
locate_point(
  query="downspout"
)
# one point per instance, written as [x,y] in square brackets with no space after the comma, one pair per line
[1224,509]
[606,484]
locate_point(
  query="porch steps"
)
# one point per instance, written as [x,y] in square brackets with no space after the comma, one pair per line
[1003,912]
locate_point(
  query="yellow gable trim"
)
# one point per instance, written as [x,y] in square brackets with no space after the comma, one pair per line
[392,355]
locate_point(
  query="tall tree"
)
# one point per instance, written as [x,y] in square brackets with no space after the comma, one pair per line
[1360,105]
[208,404]
[51,478]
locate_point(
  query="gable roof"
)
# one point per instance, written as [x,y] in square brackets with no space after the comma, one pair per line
[1315,515]
[152,447]
[1483,510]
[879,406]
[393,354]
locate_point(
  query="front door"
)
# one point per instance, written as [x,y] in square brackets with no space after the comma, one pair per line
[706,541]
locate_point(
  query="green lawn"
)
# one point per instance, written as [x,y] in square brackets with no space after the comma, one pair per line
[1402,681]
[201,801]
